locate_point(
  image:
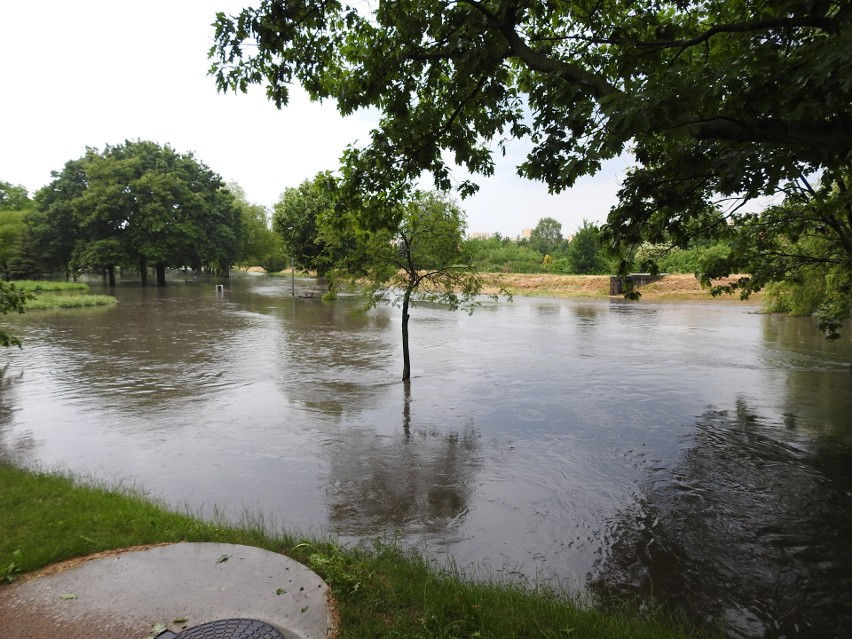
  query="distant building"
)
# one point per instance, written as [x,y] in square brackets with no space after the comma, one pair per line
[479,236]
[525,234]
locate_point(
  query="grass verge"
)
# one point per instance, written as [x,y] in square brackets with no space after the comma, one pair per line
[68,301]
[382,591]
[46,294]
[37,286]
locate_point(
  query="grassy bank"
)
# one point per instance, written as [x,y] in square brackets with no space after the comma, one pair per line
[40,286]
[381,592]
[46,294]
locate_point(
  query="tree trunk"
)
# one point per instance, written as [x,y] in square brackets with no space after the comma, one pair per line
[143,270]
[406,359]
[111,276]
[161,274]
[406,410]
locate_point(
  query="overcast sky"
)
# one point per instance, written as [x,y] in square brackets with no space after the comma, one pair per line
[97,72]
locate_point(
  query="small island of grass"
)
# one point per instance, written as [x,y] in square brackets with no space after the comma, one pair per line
[46,294]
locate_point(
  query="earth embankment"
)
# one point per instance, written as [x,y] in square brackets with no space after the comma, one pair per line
[671,287]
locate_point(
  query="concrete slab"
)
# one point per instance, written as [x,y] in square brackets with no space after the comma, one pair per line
[179,585]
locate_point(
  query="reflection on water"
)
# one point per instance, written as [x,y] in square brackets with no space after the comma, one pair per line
[751,526]
[697,453]
[419,480]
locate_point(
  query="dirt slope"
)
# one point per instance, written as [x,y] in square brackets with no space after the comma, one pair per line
[675,286]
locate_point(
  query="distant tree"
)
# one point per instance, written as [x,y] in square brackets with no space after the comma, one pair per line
[501,255]
[546,237]
[422,258]
[296,218]
[258,242]
[14,197]
[138,204]
[52,229]
[12,229]
[586,253]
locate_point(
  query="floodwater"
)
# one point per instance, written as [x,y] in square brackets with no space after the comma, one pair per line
[693,453]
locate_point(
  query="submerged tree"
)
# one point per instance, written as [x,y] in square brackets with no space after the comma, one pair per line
[719,101]
[422,258]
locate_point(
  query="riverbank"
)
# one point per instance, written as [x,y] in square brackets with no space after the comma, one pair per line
[676,286]
[382,591]
[671,287]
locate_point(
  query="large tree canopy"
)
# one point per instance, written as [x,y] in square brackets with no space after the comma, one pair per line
[720,101]
[296,218]
[137,204]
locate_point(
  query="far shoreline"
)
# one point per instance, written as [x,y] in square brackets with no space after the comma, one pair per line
[669,287]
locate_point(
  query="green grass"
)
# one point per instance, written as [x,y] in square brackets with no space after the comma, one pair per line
[381,591]
[37,286]
[47,294]
[68,301]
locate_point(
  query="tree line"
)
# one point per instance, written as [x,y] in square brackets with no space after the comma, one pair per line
[138,207]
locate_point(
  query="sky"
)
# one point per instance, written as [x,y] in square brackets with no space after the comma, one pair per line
[98,72]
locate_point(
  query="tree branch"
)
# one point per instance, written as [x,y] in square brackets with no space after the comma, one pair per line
[835,136]
[506,23]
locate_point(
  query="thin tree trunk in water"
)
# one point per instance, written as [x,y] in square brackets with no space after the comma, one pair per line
[406,410]
[111,276]
[161,274]
[406,359]
[143,270]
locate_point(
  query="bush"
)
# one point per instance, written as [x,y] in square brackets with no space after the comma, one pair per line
[692,260]
[274,263]
[508,258]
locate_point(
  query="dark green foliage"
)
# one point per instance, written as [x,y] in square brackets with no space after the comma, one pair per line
[504,256]
[586,254]
[12,299]
[691,260]
[136,205]
[12,228]
[546,237]
[720,102]
[297,217]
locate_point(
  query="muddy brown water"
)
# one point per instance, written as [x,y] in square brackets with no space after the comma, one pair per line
[696,454]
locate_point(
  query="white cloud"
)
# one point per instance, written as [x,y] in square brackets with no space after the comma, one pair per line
[98,72]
